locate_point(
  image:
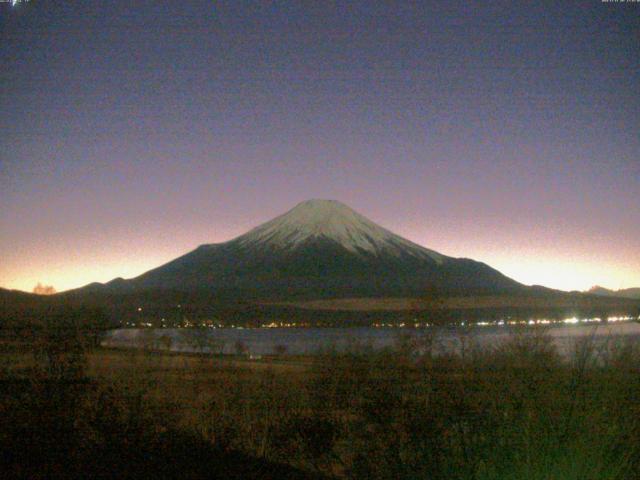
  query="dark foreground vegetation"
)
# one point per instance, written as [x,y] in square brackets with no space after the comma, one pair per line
[71,409]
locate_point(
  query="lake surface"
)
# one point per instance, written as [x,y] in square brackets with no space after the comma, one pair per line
[299,341]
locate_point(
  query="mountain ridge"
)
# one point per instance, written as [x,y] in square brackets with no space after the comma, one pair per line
[622,293]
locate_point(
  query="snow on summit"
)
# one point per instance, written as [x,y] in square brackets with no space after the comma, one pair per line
[332,220]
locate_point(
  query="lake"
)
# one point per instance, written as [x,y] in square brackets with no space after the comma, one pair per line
[304,341]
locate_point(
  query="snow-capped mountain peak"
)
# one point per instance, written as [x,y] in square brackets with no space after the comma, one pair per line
[318,249]
[334,221]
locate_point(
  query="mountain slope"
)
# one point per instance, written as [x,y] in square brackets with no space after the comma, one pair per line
[15,296]
[320,248]
[15,305]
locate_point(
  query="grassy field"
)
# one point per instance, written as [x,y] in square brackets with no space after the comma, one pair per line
[517,412]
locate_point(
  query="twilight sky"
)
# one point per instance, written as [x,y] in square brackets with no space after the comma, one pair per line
[131,132]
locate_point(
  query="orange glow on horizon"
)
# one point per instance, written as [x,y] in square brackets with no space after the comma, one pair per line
[555,260]
[551,270]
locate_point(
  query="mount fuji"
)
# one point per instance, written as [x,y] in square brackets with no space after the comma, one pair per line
[318,249]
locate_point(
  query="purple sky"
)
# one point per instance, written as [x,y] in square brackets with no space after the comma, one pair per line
[131,132]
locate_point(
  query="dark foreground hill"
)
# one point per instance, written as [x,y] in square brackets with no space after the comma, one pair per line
[77,429]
